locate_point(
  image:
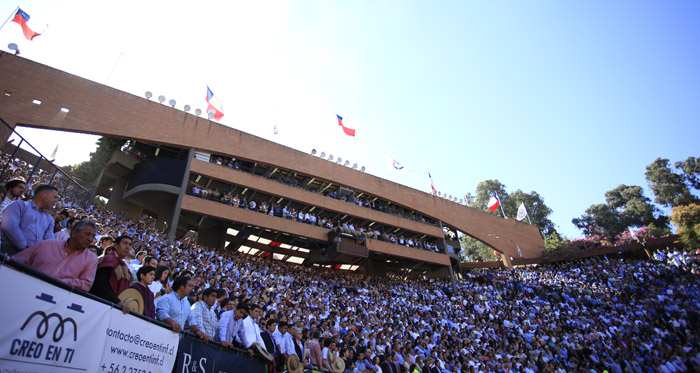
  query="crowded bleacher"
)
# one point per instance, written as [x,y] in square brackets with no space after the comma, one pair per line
[594,315]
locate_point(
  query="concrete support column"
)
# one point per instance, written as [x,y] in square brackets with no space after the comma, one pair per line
[118,204]
[506,261]
[376,267]
[444,248]
[178,205]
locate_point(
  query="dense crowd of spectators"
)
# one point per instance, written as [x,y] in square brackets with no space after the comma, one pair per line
[18,169]
[364,201]
[290,213]
[593,315]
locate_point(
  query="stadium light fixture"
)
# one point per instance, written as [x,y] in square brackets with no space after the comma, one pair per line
[148,95]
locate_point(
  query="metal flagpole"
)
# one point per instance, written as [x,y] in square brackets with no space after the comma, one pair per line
[501,204]
[528,215]
[10,17]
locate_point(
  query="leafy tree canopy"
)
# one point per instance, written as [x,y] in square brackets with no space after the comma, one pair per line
[89,170]
[475,250]
[687,220]
[534,203]
[674,187]
[626,206]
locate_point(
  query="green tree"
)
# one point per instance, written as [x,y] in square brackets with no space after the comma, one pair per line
[536,209]
[687,220]
[626,206]
[555,241]
[485,190]
[674,188]
[89,170]
[534,203]
[474,250]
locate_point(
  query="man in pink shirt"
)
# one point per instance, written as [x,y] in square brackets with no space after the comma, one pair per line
[68,261]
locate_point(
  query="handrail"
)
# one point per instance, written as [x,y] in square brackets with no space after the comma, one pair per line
[41,156]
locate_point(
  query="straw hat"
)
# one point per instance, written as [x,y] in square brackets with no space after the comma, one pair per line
[338,365]
[294,365]
[133,299]
[263,352]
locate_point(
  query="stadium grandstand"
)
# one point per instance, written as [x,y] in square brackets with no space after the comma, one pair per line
[231,253]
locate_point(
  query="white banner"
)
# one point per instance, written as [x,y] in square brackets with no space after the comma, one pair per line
[134,345]
[48,329]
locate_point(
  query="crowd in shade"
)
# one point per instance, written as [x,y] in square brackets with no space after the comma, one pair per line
[592,315]
[18,169]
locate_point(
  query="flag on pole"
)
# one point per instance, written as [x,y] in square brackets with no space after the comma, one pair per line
[53,155]
[519,253]
[522,212]
[395,166]
[494,203]
[22,18]
[432,186]
[348,131]
[214,105]
[633,235]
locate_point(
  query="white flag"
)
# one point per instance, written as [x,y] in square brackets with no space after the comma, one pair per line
[633,235]
[522,212]
[519,253]
[53,155]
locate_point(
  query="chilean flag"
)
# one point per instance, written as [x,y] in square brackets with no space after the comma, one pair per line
[494,203]
[22,18]
[214,106]
[432,186]
[348,131]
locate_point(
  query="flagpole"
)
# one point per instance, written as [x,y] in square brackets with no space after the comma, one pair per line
[501,204]
[10,17]
[528,216]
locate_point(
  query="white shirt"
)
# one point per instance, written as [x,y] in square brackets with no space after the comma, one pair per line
[250,333]
[278,338]
[288,344]
[224,320]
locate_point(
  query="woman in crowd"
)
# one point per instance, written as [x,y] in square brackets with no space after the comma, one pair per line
[160,285]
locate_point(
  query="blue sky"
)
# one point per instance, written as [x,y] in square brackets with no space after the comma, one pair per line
[569,99]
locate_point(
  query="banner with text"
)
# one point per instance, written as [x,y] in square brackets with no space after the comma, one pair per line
[199,357]
[47,328]
[135,345]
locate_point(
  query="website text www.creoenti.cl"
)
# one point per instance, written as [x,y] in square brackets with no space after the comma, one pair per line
[155,356]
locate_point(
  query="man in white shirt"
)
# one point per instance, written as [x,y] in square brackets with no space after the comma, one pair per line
[250,335]
[231,325]
[278,335]
[288,343]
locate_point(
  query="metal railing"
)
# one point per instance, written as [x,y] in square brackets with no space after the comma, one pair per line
[6,260]
[71,189]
